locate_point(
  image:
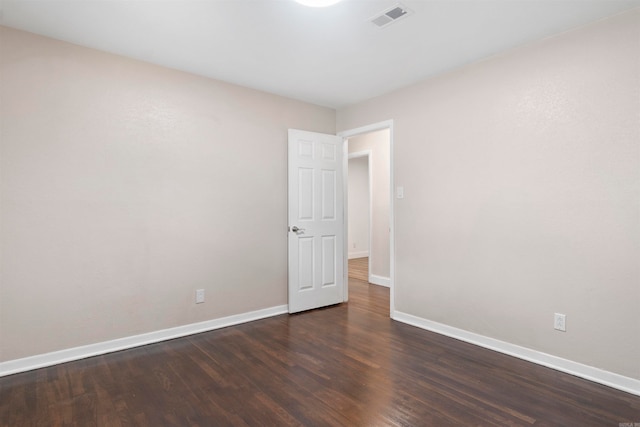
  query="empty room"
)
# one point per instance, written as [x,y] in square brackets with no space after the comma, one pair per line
[320,213]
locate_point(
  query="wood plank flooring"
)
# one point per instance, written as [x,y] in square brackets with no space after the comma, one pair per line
[345,365]
[359,269]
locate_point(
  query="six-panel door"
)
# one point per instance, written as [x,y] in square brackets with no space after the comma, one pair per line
[316,211]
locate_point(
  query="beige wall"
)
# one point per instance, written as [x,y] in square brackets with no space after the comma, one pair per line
[359,205]
[378,143]
[125,187]
[522,191]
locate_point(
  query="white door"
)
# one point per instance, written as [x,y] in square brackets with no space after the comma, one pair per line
[316,220]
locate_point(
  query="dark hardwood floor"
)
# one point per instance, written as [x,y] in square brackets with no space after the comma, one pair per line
[345,365]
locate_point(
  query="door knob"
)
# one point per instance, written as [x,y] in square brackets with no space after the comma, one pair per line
[297,230]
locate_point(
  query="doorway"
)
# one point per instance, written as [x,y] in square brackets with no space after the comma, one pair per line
[372,146]
[359,185]
[359,214]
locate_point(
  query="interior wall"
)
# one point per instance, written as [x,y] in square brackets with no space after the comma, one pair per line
[522,194]
[358,221]
[125,187]
[379,249]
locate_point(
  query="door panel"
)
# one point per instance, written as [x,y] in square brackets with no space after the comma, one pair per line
[305,260]
[305,194]
[316,262]
[328,261]
[328,195]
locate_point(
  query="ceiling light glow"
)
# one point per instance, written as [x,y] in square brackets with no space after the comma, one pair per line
[318,3]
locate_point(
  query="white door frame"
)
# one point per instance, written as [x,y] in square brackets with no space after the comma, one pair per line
[387,124]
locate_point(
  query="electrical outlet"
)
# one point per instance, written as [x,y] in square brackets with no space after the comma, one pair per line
[199,296]
[560,322]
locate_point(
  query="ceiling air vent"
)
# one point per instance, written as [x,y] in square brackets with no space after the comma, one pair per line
[390,16]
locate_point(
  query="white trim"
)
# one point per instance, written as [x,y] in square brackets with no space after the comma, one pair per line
[82,352]
[358,154]
[387,124]
[379,280]
[610,379]
[345,219]
[361,254]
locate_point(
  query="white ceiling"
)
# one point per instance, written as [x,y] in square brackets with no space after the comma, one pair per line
[329,56]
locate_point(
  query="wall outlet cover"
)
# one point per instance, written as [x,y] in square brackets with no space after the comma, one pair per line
[199,296]
[560,322]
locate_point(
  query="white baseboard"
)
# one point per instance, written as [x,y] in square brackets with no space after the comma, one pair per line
[620,382]
[361,254]
[379,280]
[82,352]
